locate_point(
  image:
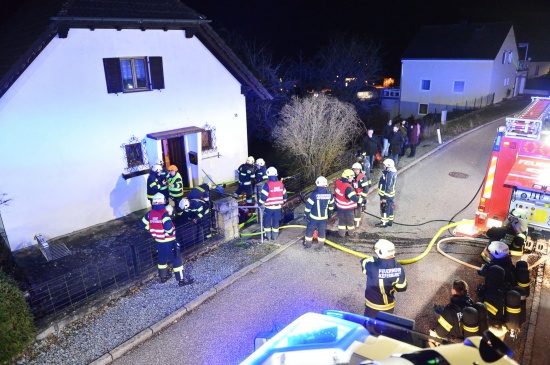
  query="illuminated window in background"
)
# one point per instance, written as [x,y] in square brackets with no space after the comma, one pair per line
[365,95]
[458,87]
[510,57]
[134,73]
[423,109]
[503,57]
[425,85]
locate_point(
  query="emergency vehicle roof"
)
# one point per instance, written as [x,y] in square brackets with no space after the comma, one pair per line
[529,173]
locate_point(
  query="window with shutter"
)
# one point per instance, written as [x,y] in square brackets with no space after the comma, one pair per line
[130,74]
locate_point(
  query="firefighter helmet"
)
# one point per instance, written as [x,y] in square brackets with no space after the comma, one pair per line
[389,163]
[321,181]
[384,248]
[158,198]
[250,160]
[519,225]
[272,171]
[156,168]
[357,165]
[348,174]
[184,204]
[498,249]
[260,162]
[172,168]
[519,213]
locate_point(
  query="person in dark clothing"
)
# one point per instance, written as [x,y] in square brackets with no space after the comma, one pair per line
[449,324]
[370,146]
[386,133]
[201,192]
[385,276]
[155,183]
[414,137]
[514,233]
[396,142]
[246,177]
[319,208]
[500,255]
[403,129]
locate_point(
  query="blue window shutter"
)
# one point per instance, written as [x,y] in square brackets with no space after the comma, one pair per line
[113,76]
[157,73]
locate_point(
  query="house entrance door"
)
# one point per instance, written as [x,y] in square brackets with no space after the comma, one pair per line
[173,153]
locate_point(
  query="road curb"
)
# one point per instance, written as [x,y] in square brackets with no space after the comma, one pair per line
[164,323]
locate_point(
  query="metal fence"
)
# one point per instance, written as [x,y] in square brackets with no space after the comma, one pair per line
[131,263]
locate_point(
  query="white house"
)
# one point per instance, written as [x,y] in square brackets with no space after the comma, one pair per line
[460,65]
[93,96]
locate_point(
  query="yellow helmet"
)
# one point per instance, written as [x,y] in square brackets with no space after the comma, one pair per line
[348,173]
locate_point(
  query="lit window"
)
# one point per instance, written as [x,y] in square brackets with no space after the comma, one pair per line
[423,109]
[458,87]
[510,57]
[425,85]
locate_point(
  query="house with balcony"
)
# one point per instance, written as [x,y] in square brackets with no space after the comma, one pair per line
[459,66]
[93,93]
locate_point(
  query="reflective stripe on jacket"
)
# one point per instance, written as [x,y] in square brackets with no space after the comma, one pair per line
[273,194]
[343,195]
[176,185]
[160,225]
[384,278]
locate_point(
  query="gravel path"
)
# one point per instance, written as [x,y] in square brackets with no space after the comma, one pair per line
[90,337]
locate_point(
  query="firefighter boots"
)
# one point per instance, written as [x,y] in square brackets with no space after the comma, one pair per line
[186,281]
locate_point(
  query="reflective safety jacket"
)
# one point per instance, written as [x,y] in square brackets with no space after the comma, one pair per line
[273,194]
[384,278]
[246,174]
[361,184]
[198,192]
[175,185]
[157,221]
[345,196]
[449,323]
[261,174]
[386,186]
[320,204]
[153,185]
[198,208]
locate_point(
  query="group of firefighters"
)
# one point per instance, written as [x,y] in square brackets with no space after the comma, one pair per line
[502,297]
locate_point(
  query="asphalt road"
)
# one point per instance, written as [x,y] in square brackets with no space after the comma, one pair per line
[221,331]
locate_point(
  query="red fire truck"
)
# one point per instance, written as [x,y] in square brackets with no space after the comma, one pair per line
[518,175]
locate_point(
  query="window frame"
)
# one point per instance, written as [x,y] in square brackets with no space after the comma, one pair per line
[420,107]
[132,168]
[134,72]
[455,84]
[211,132]
[422,83]
[153,70]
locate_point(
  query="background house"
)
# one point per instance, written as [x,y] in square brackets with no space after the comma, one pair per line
[92,97]
[456,66]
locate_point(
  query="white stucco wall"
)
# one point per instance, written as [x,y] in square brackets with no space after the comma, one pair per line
[481,78]
[61,132]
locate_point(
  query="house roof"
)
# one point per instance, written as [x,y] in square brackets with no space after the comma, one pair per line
[458,42]
[37,22]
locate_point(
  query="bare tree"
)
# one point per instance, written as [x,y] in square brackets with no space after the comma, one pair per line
[3,199]
[314,131]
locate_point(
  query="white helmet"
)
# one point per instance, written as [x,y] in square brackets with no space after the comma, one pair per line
[321,181]
[250,160]
[357,165]
[272,171]
[156,168]
[384,248]
[519,213]
[184,204]
[169,209]
[389,162]
[158,198]
[260,162]
[498,249]
[518,224]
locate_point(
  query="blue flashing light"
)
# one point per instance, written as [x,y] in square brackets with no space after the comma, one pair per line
[498,141]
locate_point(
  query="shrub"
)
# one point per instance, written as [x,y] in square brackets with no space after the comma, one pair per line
[16,321]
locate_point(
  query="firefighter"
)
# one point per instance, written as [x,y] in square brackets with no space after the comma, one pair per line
[450,322]
[157,221]
[361,184]
[260,179]
[201,192]
[163,177]
[386,191]
[246,178]
[346,200]
[499,253]
[272,198]
[514,233]
[319,208]
[175,187]
[155,182]
[198,211]
[385,276]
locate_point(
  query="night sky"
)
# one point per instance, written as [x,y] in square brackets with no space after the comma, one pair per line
[293,27]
